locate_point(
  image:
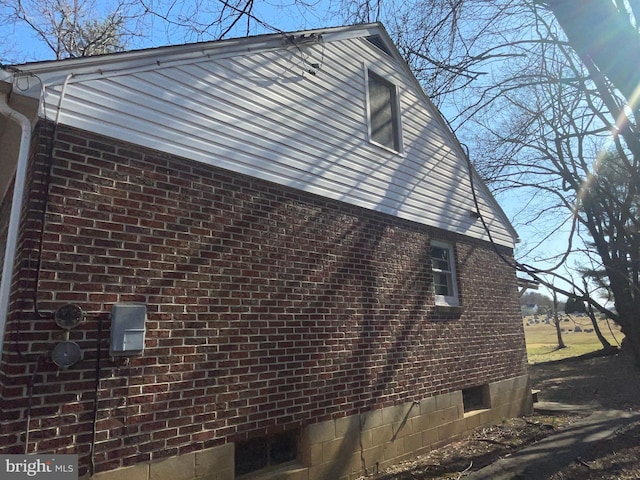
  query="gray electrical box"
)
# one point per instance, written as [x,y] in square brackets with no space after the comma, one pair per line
[127,328]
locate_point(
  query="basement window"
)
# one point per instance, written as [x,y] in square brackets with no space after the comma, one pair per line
[476,398]
[263,452]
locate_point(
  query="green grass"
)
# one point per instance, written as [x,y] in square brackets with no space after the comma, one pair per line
[542,342]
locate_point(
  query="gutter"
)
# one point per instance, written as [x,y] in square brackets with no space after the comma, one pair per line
[16,209]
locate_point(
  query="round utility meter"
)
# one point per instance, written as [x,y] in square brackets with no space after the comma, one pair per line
[66,354]
[68,316]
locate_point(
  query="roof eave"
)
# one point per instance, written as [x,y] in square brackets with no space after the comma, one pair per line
[185,51]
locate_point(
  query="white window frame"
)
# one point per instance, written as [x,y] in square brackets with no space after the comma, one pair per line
[447,300]
[395,110]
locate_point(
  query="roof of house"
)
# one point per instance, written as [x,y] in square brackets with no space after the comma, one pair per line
[288,108]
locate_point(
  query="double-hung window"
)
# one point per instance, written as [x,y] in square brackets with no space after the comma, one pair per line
[383,110]
[444,273]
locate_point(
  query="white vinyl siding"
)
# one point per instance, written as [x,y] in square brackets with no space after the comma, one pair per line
[262,114]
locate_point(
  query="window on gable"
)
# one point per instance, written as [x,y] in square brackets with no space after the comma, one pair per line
[384,116]
[444,273]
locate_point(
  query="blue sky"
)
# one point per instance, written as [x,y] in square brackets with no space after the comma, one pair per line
[22,44]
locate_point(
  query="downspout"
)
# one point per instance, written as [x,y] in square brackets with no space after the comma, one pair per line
[16,209]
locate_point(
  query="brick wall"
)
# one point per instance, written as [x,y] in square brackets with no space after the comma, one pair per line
[268,309]
[5,210]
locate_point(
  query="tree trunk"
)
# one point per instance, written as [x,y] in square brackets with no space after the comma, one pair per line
[627,304]
[631,343]
[556,321]
[596,328]
[628,322]
[605,343]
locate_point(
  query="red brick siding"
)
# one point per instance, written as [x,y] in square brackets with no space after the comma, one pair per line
[5,210]
[268,308]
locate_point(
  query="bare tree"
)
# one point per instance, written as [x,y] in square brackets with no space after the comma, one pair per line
[196,21]
[571,136]
[73,28]
[610,51]
[78,28]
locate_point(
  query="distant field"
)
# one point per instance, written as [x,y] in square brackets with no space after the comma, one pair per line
[542,343]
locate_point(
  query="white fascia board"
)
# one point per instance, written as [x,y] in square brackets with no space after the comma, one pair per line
[51,71]
[33,77]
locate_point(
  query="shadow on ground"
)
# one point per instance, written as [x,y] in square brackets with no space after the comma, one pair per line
[604,382]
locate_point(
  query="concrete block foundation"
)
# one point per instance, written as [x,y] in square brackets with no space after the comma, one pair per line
[349,447]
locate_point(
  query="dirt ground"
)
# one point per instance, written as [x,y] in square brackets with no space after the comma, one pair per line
[610,382]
